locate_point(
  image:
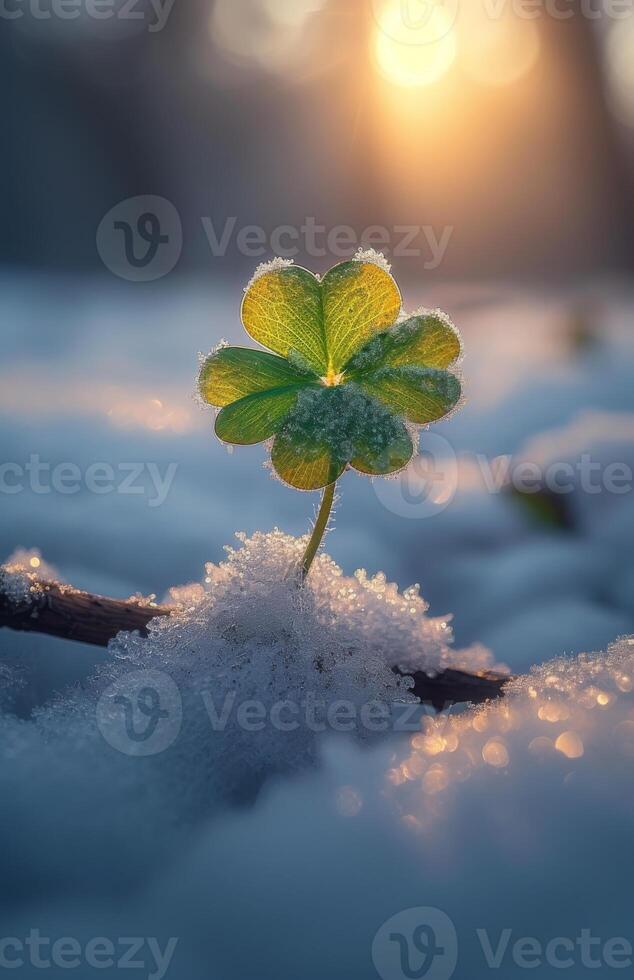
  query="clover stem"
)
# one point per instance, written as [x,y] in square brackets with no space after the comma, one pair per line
[321,523]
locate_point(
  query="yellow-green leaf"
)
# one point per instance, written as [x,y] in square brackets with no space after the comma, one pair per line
[427,340]
[234,372]
[359,300]
[423,340]
[304,468]
[421,395]
[282,310]
[256,417]
[378,460]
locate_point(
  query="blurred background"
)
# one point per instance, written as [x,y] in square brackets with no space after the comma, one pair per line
[158,151]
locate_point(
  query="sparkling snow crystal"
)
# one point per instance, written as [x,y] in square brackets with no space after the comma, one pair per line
[251,672]
[371,255]
[20,575]
[554,723]
[253,636]
[264,267]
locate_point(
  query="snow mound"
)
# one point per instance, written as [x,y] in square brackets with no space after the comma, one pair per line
[263,668]
[554,723]
[536,846]
[241,684]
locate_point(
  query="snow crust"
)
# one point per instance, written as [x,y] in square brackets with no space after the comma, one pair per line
[452,814]
[15,584]
[248,633]
[20,575]
[252,634]
[478,815]
[563,715]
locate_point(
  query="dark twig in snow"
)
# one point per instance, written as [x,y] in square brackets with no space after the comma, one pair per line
[59,610]
[28,604]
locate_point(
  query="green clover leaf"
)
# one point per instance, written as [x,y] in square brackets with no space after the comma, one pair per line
[347,381]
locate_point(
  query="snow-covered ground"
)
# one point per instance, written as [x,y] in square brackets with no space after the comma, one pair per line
[248,792]
[517,817]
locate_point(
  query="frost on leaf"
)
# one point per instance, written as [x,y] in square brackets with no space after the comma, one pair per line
[321,333]
[340,419]
[264,267]
[371,255]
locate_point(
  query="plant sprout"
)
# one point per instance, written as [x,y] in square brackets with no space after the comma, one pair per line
[348,380]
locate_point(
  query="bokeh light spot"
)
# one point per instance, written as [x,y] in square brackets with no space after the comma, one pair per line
[497,50]
[570,745]
[495,753]
[411,53]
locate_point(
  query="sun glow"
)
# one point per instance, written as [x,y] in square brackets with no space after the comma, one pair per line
[492,51]
[413,53]
[497,51]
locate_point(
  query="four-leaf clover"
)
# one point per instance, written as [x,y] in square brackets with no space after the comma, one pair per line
[349,378]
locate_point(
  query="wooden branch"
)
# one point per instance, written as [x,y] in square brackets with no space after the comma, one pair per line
[60,610]
[458,687]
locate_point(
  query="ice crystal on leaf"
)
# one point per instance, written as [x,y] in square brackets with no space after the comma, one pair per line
[275,265]
[371,255]
[347,379]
